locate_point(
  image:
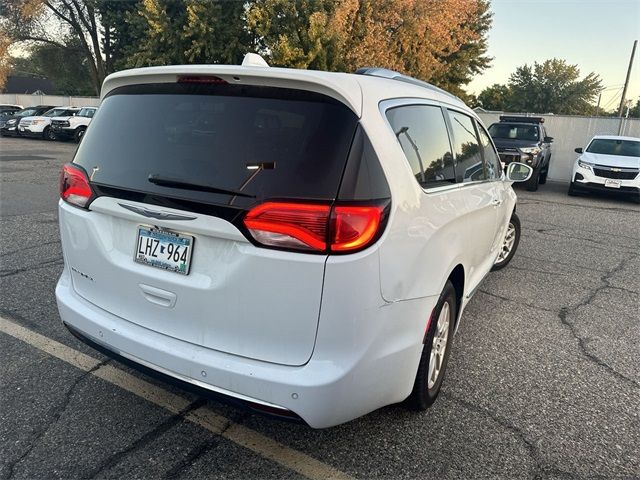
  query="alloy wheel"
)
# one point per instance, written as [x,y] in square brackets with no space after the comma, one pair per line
[507,244]
[439,345]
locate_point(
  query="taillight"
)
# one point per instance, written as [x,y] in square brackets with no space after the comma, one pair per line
[289,225]
[353,227]
[315,228]
[74,186]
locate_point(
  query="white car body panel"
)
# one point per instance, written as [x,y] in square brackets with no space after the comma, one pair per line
[344,333]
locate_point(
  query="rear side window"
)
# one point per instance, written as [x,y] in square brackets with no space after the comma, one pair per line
[422,133]
[492,162]
[466,147]
[266,143]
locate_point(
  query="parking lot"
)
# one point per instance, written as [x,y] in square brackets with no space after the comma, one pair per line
[543,380]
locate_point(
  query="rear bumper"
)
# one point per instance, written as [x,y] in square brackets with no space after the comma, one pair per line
[322,393]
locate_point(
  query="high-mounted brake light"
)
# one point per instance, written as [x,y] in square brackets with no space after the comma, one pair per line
[201,79]
[74,186]
[315,227]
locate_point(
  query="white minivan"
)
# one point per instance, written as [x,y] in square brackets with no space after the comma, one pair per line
[300,242]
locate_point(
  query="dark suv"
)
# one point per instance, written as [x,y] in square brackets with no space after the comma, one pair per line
[9,120]
[524,139]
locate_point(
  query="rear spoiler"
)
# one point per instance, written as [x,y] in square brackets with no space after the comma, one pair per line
[521,119]
[340,86]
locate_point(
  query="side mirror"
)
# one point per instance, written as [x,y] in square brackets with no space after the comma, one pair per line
[578,150]
[548,139]
[518,172]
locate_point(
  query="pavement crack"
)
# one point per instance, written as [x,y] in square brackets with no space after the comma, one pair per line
[539,468]
[534,270]
[565,312]
[507,299]
[46,263]
[54,414]
[24,249]
[145,439]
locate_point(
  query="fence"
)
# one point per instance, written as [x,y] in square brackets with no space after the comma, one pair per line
[27,100]
[570,132]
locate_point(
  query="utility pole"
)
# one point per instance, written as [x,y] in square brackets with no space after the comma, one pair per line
[626,83]
[598,106]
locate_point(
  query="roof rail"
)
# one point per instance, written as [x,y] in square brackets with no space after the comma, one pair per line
[393,75]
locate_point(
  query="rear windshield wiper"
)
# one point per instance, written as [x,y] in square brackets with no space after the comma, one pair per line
[198,187]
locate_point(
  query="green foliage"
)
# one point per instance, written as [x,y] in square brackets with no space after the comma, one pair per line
[66,68]
[634,111]
[549,87]
[495,97]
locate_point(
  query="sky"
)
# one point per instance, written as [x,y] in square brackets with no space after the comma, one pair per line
[595,35]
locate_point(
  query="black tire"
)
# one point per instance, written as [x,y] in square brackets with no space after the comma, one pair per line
[423,396]
[77,135]
[572,192]
[532,184]
[514,222]
[543,177]
[48,134]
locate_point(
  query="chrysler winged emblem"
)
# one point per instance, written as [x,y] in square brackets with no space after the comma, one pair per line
[158,214]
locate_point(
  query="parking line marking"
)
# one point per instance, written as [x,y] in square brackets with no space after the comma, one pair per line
[204,417]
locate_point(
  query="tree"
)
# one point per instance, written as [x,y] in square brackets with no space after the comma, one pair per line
[442,41]
[635,110]
[49,21]
[549,87]
[553,86]
[66,68]
[495,97]
[190,31]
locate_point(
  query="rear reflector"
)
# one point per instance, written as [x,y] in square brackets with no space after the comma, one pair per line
[74,186]
[315,228]
[201,79]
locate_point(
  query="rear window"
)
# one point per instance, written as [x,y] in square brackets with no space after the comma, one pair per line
[514,131]
[265,142]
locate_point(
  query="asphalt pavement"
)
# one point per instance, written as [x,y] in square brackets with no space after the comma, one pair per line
[543,380]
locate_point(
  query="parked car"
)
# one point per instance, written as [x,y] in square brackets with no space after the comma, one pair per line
[306,247]
[610,163]
[40,126]
[73,126]
[524,139]
[9,121]
[9,108]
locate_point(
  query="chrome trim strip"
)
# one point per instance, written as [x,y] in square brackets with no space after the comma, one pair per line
[157,214]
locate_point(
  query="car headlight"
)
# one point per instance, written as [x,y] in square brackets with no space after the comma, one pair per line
[587,165]
[11,122]
[36,122]
[533,151]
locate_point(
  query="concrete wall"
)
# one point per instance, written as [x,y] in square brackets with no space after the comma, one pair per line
[570,132]
[57,100]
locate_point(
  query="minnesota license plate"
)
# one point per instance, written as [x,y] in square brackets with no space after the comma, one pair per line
[164,249]
[612,183]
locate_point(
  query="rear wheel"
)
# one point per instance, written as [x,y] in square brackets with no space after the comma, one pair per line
[48,134]
[509,244]
[435,352]
[79,133]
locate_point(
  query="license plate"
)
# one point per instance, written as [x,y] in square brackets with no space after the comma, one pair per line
[612,183]
[164,249]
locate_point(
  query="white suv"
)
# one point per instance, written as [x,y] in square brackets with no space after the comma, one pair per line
[40,126]
[610,163]
[301,242]
[73,126]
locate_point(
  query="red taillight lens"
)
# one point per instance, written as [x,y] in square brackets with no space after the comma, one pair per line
[289,225]
[353,227]
[74,186]
[301,226]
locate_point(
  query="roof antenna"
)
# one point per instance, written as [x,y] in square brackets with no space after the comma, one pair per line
[254,60]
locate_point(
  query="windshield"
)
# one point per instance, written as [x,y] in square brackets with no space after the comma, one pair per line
[86,112]
[58,112]
[266,142]
[26,112]
[612,146]
[514,131]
